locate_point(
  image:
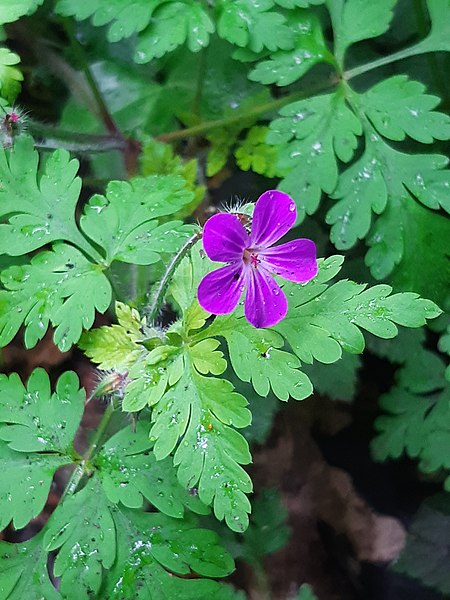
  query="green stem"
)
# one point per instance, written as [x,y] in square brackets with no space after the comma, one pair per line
[54,137]
[164,283]
[80,55]
[78,239]
[419,48]
[196,103]
[206,126]
[81,470]
[436,74]
[131,148]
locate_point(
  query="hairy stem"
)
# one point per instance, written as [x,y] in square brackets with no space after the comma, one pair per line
[170,270]
[80,470]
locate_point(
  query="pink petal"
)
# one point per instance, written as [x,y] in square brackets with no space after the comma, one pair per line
[275,213]
[295,261]
[220,290]
[265,302]
[224,238]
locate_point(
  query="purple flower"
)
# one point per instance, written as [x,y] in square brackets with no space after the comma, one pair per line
[252,261]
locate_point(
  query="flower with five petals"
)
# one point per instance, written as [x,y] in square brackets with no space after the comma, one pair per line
[253,260]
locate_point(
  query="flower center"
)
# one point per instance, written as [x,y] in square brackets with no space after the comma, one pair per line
[250,257]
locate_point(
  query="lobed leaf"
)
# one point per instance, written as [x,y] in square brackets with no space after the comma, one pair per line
[24,573]
[83,531]
[251,23]
[309,48]
[10,75]
[398,107]
[200,411]
[61,287]
[173,24]
[11,10]
[324,320]
[123,222]
[36,433]
[312,135]
[155,554]
[356,20]
[39,207]
[256,357]
[129,472]
[116,346]
[34,420]
[427,545]
[417,412]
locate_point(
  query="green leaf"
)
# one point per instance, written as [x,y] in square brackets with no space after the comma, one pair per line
[356,20]
[398,107]
[25,484]
[254,153]
[424,266]
[127,16]
[123,222]
[37,431]
[337,381]
[206,358]
[310,133]
[116,346]
[306,593]
[384,179]
[60,287]
[425,556]
[256,357]
[286,66]
[183,287]
[24,573]
[11,10]
[234,102]
[149,378]
[129,472]
[34,420]
[399,349]
[251,23]
[10,76]
[402,430]
[438,39]
[158,158]
[83,531]
[154,552]
[418,411]
[324,320]
[267,532]
[300,3]
[172,25]
[200,410]
[40,209]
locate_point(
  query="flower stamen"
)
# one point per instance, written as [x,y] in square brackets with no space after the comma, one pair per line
[250,257]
